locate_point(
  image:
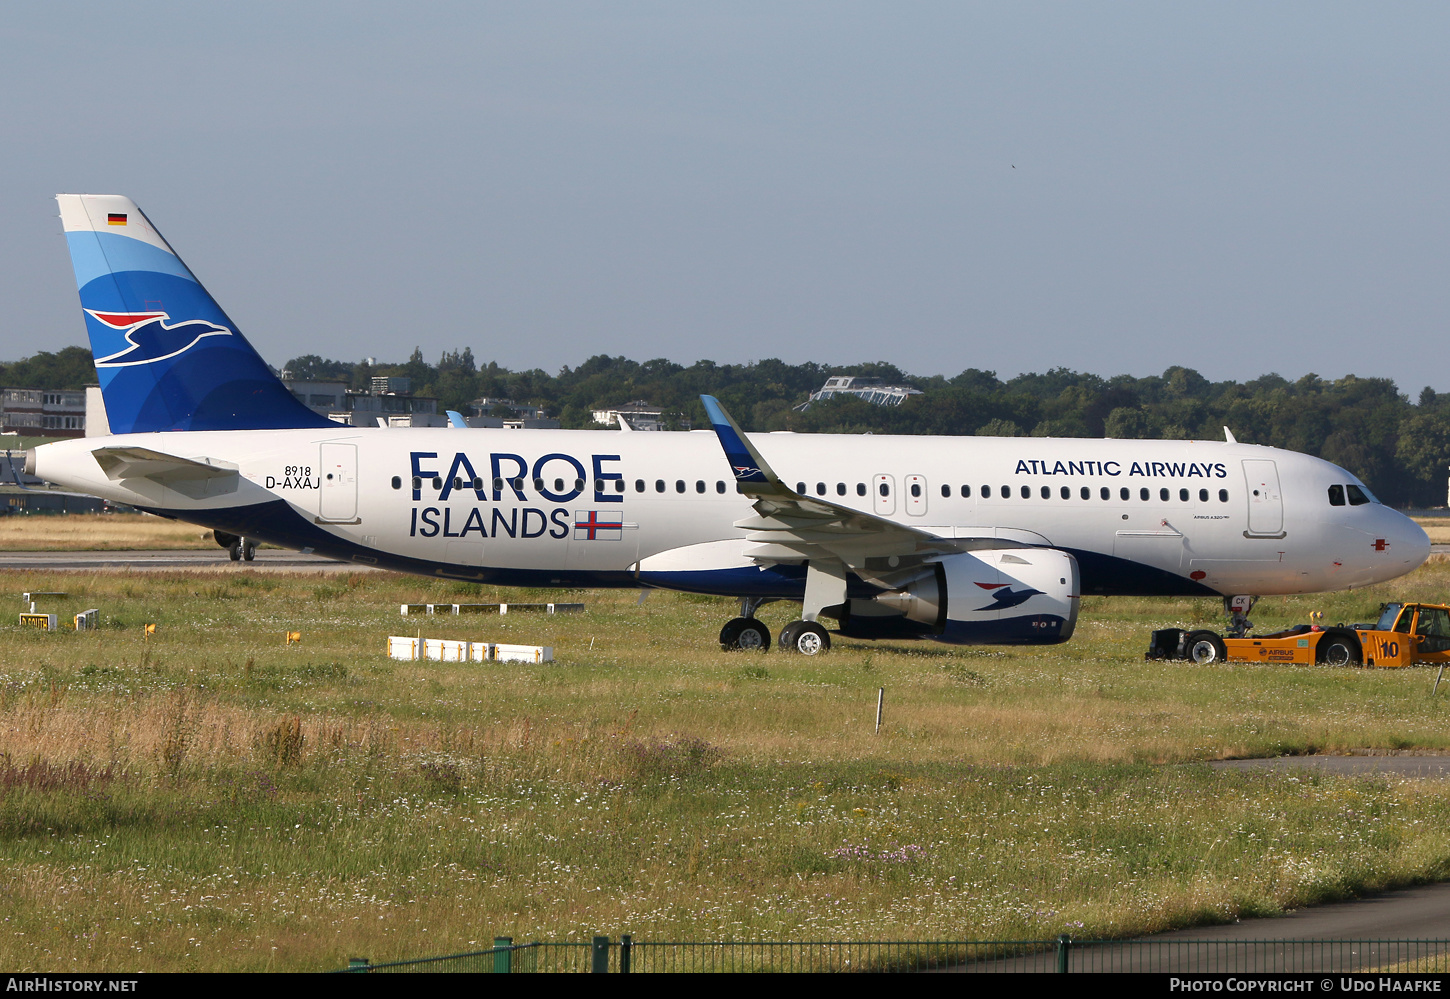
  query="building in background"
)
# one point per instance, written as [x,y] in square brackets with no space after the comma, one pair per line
[43,412]
[863,387]
[639,414]
[388,401]
[494,412]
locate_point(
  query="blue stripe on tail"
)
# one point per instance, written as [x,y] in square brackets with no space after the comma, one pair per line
[167,356]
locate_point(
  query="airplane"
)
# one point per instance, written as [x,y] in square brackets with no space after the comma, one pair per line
[966,540]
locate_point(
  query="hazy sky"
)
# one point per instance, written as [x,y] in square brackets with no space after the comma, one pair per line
[1112,187]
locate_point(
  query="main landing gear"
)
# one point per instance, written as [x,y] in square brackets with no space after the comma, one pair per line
[806,637]
[239,549]
[747,633]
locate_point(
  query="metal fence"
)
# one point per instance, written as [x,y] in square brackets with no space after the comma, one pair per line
[1063,955]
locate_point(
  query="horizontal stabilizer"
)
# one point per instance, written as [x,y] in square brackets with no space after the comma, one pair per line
[188,476]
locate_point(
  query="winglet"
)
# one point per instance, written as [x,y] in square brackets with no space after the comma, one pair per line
[456,420]
[751,472]
[1228,436]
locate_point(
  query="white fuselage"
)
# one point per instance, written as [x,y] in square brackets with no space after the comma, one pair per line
[1140,516]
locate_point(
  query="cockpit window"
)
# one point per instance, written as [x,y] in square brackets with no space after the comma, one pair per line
[1387,617]
[1336,496]
[1358,496]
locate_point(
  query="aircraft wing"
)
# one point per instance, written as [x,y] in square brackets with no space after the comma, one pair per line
[792,527]
[190,476]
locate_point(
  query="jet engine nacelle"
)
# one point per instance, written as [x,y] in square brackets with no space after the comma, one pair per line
[1016,596]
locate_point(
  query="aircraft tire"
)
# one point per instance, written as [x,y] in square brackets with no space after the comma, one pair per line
[1204,647]
[249,551]
[234,551]
[746,634]
[805,637]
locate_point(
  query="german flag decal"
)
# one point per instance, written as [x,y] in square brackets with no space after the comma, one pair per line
[116,218]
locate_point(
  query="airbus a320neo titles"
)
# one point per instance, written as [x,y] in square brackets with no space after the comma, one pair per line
[960,539]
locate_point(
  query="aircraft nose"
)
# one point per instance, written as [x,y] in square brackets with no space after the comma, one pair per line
[1406,541]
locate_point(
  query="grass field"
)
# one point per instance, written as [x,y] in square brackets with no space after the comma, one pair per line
[99,532]
[210,799]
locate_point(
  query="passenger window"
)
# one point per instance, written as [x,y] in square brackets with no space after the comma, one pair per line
[1086,493]
[860,489]
[579,485]
[497,485]
[1183,495]
[699,485]
[1143,494]
[679,485]
[966,492]
[986,492]
[916,489]
[1066,492]
[1123,493]
[820,489]
[1203,496]
[840,488]
[946,492]
[397,482]
[800,487]
[558,485]
[539,485]
[1026,492]
[659,485]
[458,482]
[519,484]
[417,482]
[619,485]
[1007,492]
[1357,495]
[639,485]
[885,489]
[720,486]
[477,484]
[1106,493]
[1047,492]
[1223,495]
[437,482]
[1163,495]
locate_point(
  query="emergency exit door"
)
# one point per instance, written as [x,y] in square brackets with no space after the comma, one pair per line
[338,473]
[1266,504]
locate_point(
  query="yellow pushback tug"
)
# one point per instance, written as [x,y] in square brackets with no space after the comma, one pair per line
[1405,634]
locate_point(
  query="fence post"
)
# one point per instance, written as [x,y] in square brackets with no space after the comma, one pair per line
[601,956]
[626,942]
[358,965]
[1064,949]
[503,955]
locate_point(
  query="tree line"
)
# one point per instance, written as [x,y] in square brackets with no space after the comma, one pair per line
[1398,447]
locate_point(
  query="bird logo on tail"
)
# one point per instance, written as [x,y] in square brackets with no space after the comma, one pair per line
[150,337]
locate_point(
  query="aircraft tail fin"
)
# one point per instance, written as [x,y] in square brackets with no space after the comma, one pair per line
[166,355]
